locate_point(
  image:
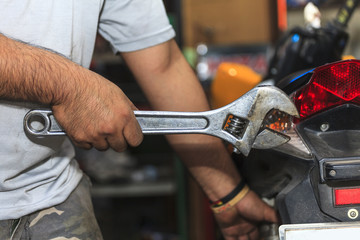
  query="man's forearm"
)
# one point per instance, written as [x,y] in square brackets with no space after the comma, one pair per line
[34,74]
[174,87]
[93,111]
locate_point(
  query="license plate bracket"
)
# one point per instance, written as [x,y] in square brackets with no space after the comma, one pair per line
[316,231]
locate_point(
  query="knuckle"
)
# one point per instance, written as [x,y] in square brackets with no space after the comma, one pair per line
[101,144]
[121,148]
[86,146]
[127,116]
[118,144]
[101,148]
[83,145]
[79,138]
[108,129]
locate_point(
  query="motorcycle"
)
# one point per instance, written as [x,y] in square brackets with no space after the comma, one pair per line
[315,178]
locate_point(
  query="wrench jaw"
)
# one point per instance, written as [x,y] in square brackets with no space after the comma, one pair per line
[268,138]
[270,98]
[253,107]
[265,138]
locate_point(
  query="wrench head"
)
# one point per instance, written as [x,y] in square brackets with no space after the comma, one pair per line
[267,98]
[268,138]
[251,109]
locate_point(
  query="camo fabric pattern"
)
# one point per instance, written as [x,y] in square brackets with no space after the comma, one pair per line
[72,220]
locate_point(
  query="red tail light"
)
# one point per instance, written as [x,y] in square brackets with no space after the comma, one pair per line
[330,85]
[347,196]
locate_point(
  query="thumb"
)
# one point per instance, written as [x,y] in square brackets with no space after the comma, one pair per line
[253,208]
[270,215]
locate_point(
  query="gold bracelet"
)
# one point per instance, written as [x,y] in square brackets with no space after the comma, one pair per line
[232,202]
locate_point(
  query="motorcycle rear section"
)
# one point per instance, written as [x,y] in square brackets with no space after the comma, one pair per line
[315,178]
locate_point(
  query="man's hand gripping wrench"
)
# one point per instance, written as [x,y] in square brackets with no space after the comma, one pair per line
[239,123]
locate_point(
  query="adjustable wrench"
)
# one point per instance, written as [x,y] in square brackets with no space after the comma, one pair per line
[239,123]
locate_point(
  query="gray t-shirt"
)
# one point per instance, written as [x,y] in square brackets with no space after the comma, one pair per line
[40,173]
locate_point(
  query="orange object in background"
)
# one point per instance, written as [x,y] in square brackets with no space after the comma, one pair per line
[231,81]
[347,57]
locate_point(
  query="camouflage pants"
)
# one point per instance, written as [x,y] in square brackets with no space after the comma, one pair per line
[72,220]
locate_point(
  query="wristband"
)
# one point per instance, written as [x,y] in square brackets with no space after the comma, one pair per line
[230,196]
[231,199]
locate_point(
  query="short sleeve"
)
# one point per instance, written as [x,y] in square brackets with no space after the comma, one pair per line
[131,25]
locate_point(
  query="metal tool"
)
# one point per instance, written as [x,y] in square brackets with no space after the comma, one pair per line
[239,123]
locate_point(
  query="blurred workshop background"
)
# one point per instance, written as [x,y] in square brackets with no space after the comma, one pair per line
[145,193]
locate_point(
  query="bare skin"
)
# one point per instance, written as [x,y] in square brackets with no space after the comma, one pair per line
[37,75]
[96,113]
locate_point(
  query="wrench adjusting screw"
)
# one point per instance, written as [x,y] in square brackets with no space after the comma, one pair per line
[235,126]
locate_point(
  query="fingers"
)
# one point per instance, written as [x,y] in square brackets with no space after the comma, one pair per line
[85,142]
[127,131]
[116,132]
[245,237]
[133,133]
[270,215]
[120,136]
[252,234]
[84,145]
[254,209]
[118,142]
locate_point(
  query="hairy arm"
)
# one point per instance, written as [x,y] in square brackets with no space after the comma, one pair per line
[25,70]
[92,110]
[170,84]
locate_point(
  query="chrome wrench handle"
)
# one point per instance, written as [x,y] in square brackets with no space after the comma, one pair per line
[43,123]
[158,122]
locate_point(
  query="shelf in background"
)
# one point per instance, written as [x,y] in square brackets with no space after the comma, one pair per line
[136,189]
